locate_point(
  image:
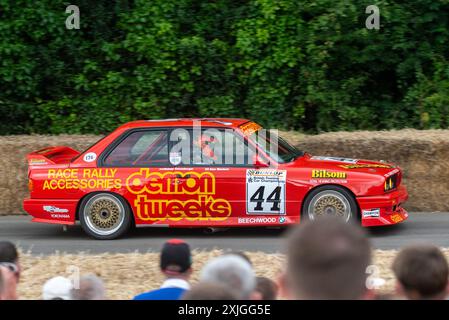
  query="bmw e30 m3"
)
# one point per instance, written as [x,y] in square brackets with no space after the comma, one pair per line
[205,173]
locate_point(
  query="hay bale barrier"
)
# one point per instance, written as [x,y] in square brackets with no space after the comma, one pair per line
[424,156]
[13,165]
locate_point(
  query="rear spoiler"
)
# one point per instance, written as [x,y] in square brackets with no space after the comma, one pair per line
[51,155]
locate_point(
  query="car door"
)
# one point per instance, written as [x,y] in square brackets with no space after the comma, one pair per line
[214,163]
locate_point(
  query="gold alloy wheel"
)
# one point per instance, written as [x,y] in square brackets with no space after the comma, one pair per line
[104,214]
[329,202]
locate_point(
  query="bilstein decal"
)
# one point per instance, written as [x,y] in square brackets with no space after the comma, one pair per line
[325,174]
[154,201]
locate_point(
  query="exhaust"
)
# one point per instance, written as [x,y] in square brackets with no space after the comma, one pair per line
[210,230]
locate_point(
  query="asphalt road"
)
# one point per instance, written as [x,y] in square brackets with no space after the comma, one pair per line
[46,239]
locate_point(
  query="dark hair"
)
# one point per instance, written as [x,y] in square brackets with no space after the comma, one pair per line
[8,252]
[175,256]
[209,291]
[423,269]
[267,288]
[327,259]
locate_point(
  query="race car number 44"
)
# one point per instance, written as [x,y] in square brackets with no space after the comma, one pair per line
[265,191]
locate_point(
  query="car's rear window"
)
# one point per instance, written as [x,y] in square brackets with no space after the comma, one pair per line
[140,149]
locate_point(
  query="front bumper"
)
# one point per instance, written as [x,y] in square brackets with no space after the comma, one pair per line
[54,211]
[383,209]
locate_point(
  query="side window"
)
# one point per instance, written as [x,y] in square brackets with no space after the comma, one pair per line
[140,149]
[212,147]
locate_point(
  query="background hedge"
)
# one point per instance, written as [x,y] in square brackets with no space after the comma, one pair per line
[309,65]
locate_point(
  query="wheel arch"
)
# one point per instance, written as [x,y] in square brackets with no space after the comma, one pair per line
[331,185]
[110,192]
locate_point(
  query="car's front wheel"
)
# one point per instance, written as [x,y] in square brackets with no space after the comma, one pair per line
[104,216]
[330,201]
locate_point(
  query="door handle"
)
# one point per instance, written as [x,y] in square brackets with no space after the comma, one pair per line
[179,176]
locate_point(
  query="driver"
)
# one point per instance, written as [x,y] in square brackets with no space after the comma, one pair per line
[204,150]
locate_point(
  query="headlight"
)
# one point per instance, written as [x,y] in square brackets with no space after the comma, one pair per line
[390,183]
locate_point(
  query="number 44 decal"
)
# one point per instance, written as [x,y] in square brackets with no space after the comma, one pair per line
[265,191]
[274,197]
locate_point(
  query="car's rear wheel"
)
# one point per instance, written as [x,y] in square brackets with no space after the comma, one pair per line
[105,216]
[330,201]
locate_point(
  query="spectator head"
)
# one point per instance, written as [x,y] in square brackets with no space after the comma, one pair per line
[243,255]
[176,259]
[267,288]
[327,259]
[9,254]
[91,287]
[421,272]
[209,291]
[232,271]
[57,288]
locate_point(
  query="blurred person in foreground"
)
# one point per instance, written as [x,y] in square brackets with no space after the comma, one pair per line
[267,288]
[209,291]
[57,288]
[233,272]
[421,273]
[11,268]
[8,284]
[243,255]
[327,259]
[176,265]
[91,287]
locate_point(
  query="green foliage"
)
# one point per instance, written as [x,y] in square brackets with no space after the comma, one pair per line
[309,65]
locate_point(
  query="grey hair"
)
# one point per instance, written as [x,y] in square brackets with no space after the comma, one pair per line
[231,271]
[91,287]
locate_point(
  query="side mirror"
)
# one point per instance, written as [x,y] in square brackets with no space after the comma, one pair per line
[259,162]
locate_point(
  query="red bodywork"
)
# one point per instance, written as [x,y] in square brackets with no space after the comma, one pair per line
[193,196]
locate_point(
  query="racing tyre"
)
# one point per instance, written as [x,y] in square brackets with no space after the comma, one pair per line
[105,216]
[330,200]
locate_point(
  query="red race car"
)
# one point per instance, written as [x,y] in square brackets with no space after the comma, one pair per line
[204,173]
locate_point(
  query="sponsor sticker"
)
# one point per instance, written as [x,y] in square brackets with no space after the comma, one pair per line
[175,158]
[249,128]
[59,216]
[391,173]
[65,179]
[362,166]
[347,160]
[43,151]
[36,162]
[90,157]
[155,199]
[396,218]
[326,174]
[265,191]
[257,220]
[371,213]
[54,209]
[282,219]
